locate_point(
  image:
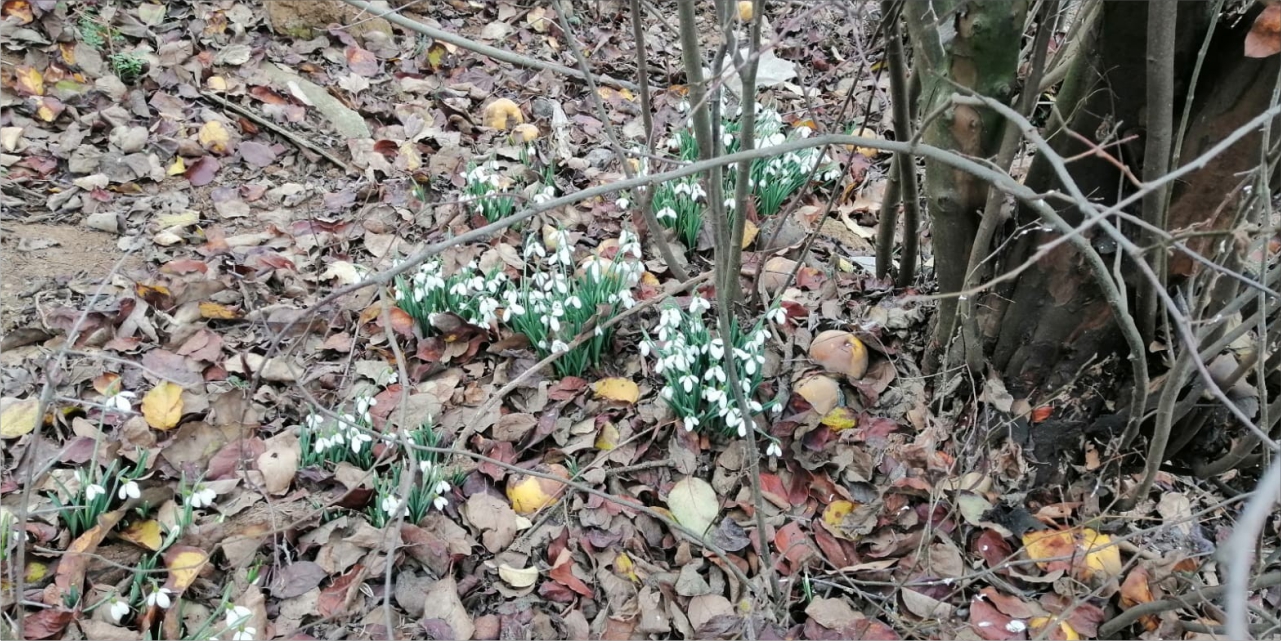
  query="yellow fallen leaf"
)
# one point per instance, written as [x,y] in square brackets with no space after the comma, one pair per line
[215,311]
[217,84]
[36,571]
[46,111]
[185,563]
[621,390]
[214,137]
[518,578]
[29,80]
[750,230]
[746,10]
[1101,556]
[19,418]
[144,534]
[178,167]
[525,132]
[840,352]
[498,112]
[649,279]
[624,565]
[835,513]
[870,152]
[1036,624]
[530,494]
[607,438]
[1046,546]
[162,406]
[840,418]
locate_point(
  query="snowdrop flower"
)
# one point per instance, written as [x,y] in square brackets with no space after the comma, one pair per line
[622,203]
[390,505]
[129,490]
[93,491]
[728,139]
[698,304]
[244,633]
[598,331]
[237,615]
[645,349]
[559,346]
[716,348]
[425,467]
[159,598]
[201,496]
[688,382]
[715,373]
[774,450]
[120,402]
[118,609]
[626,297]
[666,212]
[778,316]
[690,423]
[358,440]
[535,248]
[440,503]
[442,487]
[666,393]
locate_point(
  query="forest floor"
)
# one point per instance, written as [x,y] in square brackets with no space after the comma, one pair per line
[232,451]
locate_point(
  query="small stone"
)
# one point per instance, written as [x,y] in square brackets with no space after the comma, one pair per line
[103,221]
[599,158]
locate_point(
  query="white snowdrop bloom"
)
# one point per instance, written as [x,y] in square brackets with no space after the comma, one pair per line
[715,373]
[441,487]
[754,406]
[714,395]
[749,367]
[237,615]
[666,212]
[440,503]
[574,301]
[729,203]
[774,450]
[831,174]
[727,139]
[626,297]
[534,248]
[598,331]
[118,609]
[244,633]
[458,289]
[688,382]
[698,304]
[320,445]
[690,423]
[129,490]
[672,144]
[425,467]
[542,344]
[390,506]
[93,491]
[683,106]
[622,203]
[120,401]
[778,316]
[716,348]
[159,598]
[804,132]
[553,323]
[666,393]
[776,409]
[644,348]
[559,346]
[358,441]
[393,378]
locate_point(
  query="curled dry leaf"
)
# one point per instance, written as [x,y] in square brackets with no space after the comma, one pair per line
[525,132]
[518,578]
[823,393]
[530,494]
[499,112]
[839,352]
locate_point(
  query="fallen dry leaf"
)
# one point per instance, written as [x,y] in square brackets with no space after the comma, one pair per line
[621,390]
[694,504]
[499,112]
[162,406]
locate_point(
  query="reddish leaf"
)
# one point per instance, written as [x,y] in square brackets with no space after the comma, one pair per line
[562,572]
[184,266]
[1264,38]
[992,624]
[793,546]
[335,599]
[773,491]
[202,171]
[46,624]
[993,548]
[257,154]
[361,61]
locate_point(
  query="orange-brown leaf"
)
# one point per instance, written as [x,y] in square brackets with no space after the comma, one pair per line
[1264,38]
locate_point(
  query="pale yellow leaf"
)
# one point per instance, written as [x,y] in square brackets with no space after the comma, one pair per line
[214,137]
[518,578]
[162,406]
[621,390]
[185,563]
[19,418]
[694,504]
[499,112]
